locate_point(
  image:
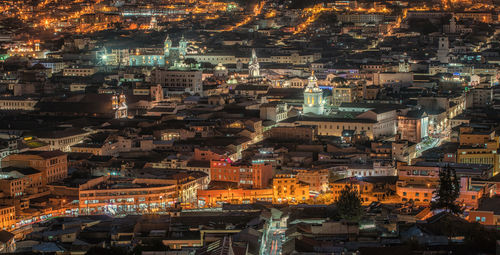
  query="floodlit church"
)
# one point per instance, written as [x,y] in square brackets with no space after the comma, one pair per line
[157,56]
[254,74]
[313,97]
[253,66]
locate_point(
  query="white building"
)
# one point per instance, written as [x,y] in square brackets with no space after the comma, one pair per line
[79,71]
[18,103]
[443,50]
[375,169]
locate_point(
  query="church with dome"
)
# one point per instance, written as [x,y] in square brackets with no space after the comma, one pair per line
[313,97]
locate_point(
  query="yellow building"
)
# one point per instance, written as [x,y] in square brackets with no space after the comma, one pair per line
[369,192]
[479,147]
[288,189]
[7,217]
[214,197]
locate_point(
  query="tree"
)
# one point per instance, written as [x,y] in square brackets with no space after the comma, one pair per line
[448,191]
[190,61]
[349,204]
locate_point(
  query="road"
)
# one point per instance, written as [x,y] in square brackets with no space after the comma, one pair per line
[429,144]
[275,242]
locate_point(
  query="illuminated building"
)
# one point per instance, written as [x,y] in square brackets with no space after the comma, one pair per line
[158,57]
[220,71]
[335,126]
[253,66]
[153,189]
[288,189]
[17,103]
[255,175]
[130,12]
[52,164]
[479,147]
[16,181]
[413,126]
[208,154]
[485,17]
[226,58]
[344,4]
[343,94]
[381,150]
[213,197]
[55,65]
[79,71]
[99,18]
[63,139]
[393,78]
[119,105]
[275,111]
[145,59]
[179,78]
[7,217]
[440,110]
[361,18]
[214,58]
[168,47]
[443,50]
[313,97]
[316,179]
[375,169]
[375,121]
[487,212]
[418,182]
[187,182]
[122,196]
[404,151]
[112,145]
[370,189]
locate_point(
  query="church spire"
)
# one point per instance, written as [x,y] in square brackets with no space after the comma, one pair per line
[167,46]
[253,66]
[183,46]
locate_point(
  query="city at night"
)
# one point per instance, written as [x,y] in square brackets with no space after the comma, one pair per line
[250,127]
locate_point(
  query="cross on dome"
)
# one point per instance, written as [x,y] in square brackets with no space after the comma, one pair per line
[313,81]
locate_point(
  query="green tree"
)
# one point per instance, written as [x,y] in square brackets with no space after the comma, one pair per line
[349,204]
[447,194]
[190,61]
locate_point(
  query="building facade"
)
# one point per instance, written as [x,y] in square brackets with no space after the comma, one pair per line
[287,188]
[255,175]
[52,164]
